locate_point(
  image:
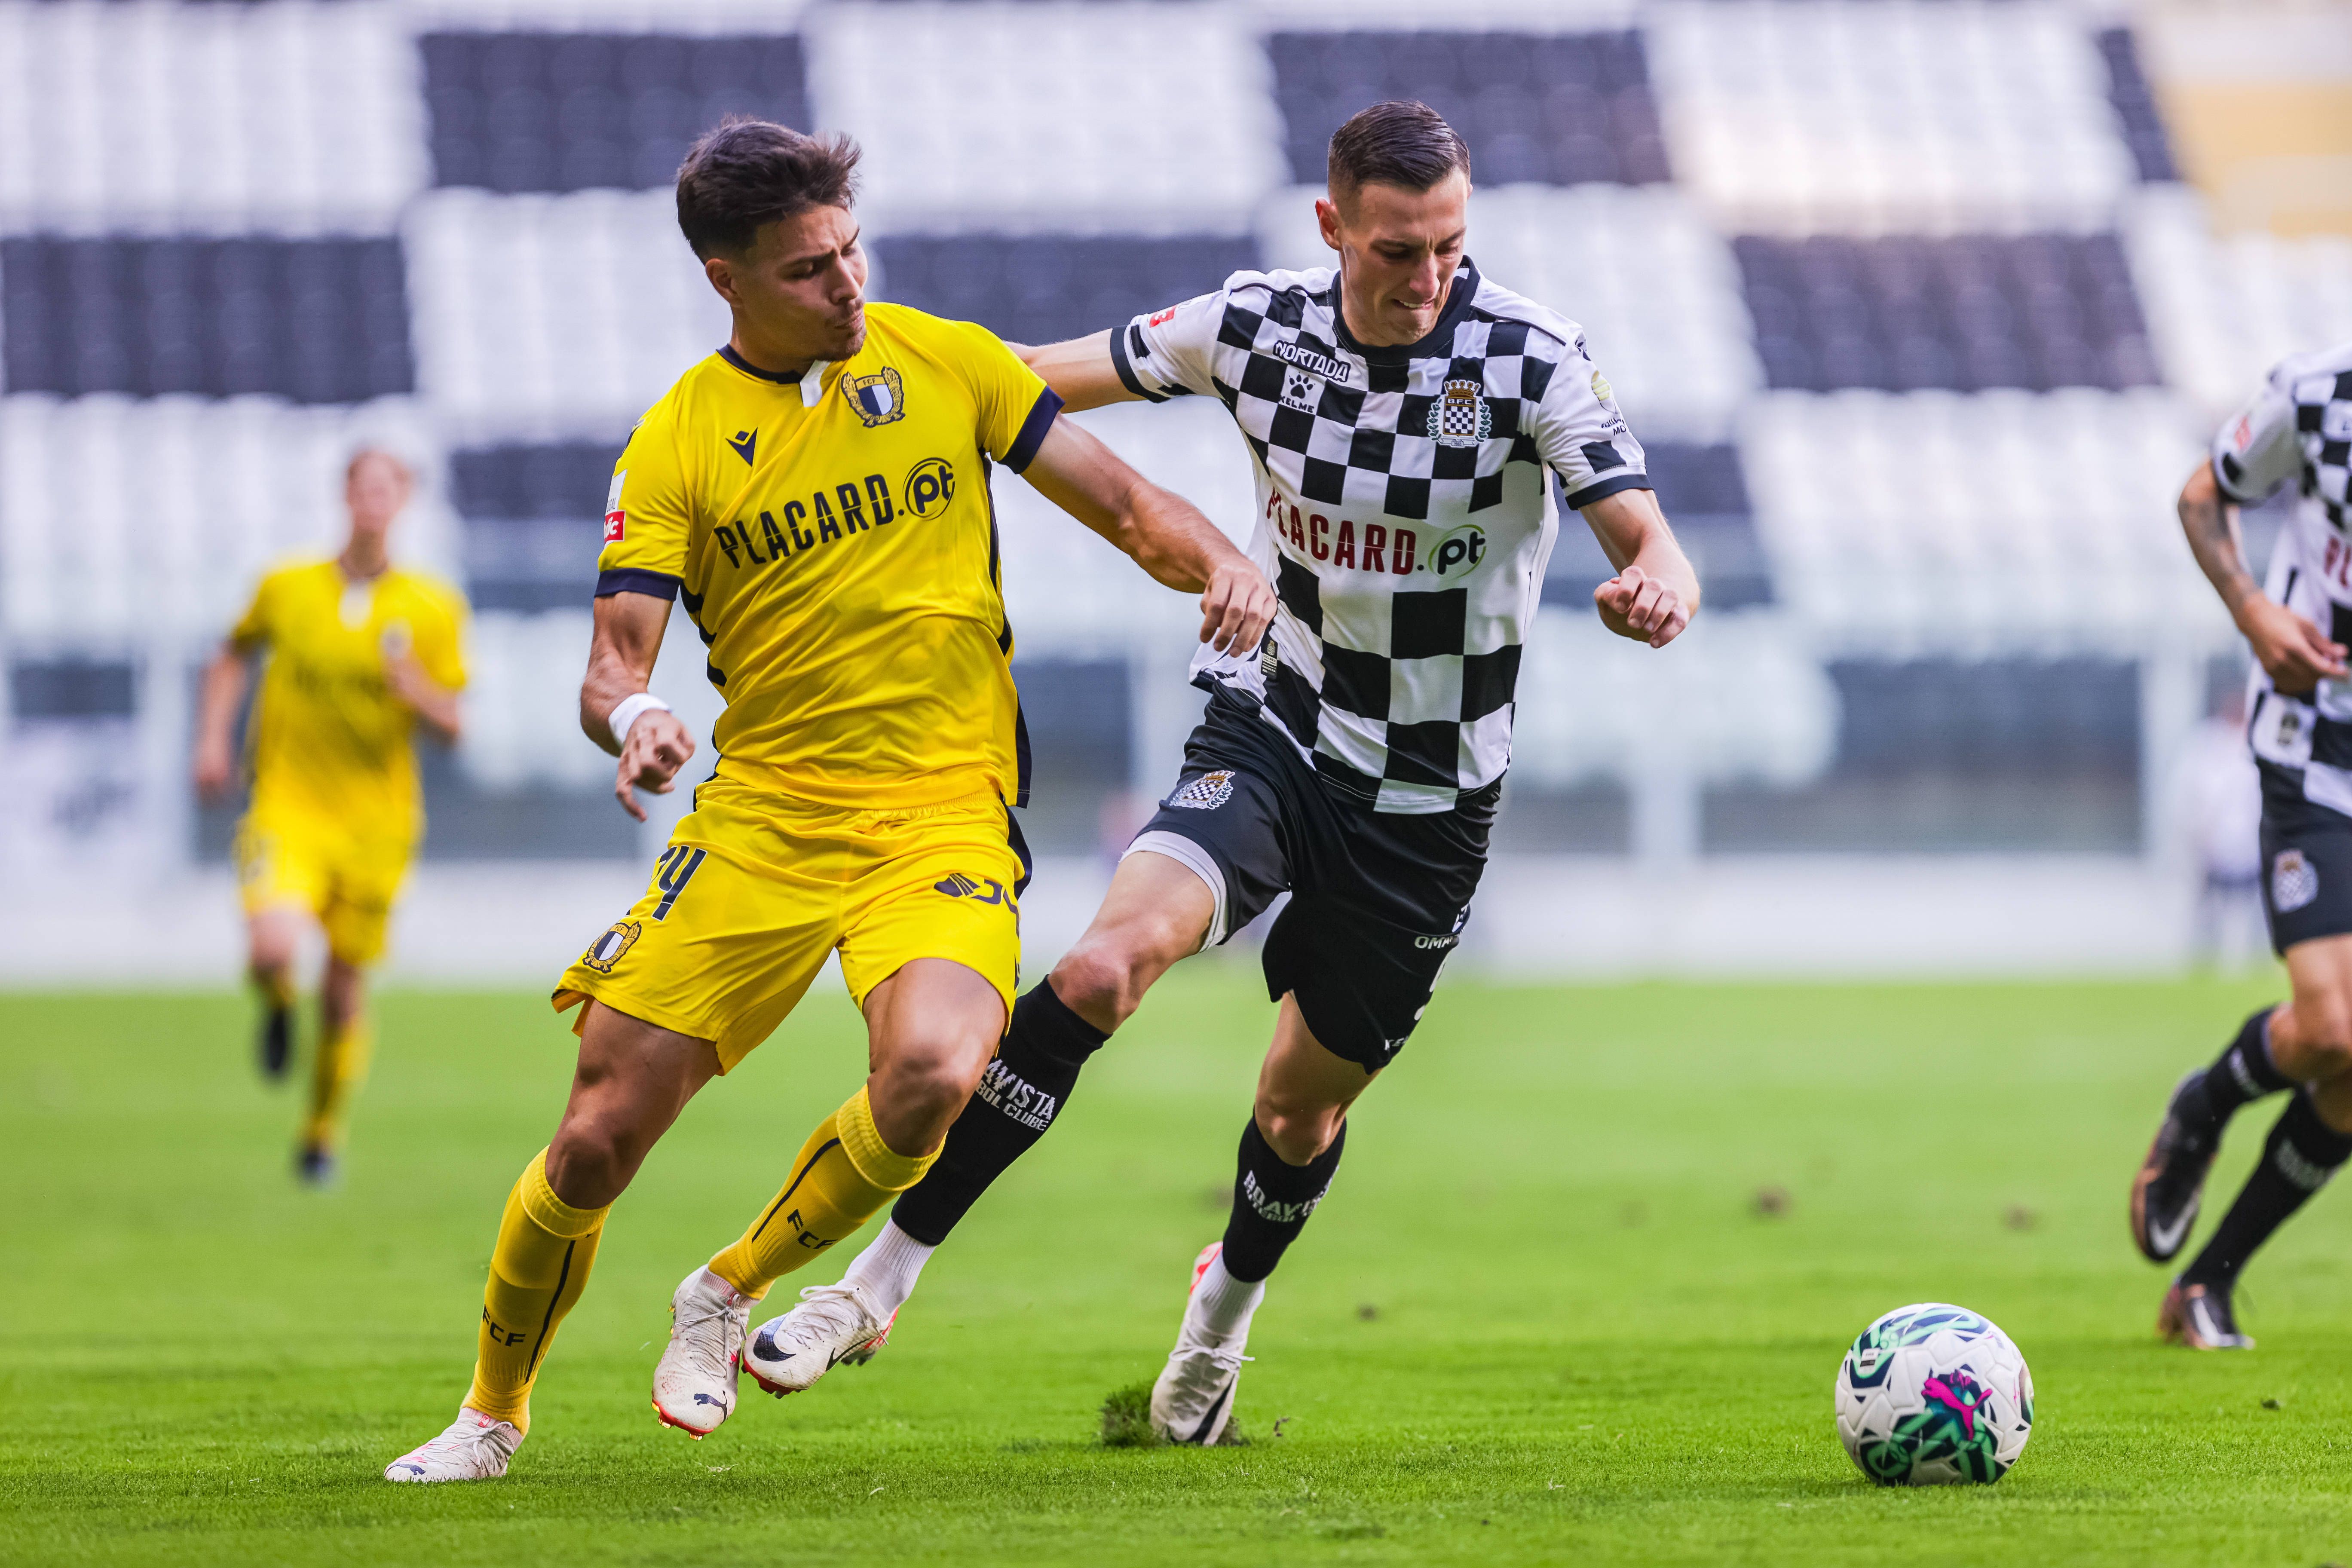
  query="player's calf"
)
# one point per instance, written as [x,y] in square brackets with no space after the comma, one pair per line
[2170,1182]
[2300,1154]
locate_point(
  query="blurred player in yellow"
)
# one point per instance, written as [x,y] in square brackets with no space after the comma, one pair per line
[358,653]
[817,495]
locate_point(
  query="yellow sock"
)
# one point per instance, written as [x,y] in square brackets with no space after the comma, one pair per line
[336,1074]
[843,1176]
[540,1268]
[276,987]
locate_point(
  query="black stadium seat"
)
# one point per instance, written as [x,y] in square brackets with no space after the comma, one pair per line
[1965,313]
[572,111]
[1560,109]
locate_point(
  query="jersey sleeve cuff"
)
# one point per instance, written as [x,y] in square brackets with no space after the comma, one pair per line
[636,580]
[1602,488]
[1042,414]
[1123,362]
[2229,492]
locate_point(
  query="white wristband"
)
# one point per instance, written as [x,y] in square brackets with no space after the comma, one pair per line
[629,710]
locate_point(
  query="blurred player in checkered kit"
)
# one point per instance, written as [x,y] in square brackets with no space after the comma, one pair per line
[1407,416]
[361,654]
[2299,430]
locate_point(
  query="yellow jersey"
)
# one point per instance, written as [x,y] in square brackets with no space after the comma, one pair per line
[833,537]
[329,738]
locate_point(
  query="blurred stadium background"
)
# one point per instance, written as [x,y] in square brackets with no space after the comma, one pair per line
[1924,310]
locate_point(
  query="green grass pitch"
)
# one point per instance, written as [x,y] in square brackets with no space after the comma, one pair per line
[1540,1320]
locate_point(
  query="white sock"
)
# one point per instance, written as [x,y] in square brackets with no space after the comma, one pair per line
[716,1285]
[886,1271]
[1223,1304]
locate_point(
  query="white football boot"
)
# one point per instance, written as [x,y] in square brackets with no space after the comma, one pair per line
[833,1324]
[1193,1399]
[473,1448]
[694,1383]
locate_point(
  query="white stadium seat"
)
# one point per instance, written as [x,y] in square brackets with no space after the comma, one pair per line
[537,318]
[178,504]
[2222,310]
[1109,117]
[283,119]
[1904,524]
[1863,116]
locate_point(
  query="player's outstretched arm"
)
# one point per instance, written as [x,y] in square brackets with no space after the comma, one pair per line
[650,740]
[1079,370]
[435,705]
[223,688]
[1165,533]
[1654,593]
[2294,652]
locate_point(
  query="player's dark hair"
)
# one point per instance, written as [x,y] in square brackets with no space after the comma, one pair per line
[1406,144]
[744,173]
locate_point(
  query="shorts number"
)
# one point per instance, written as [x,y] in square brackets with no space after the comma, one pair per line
[675,869]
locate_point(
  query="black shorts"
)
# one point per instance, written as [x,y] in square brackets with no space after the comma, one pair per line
[1377,899]
[2306,876]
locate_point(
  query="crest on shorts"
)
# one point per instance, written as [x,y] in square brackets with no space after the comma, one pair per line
[1460,417]
[1206,793]
[2295,881]
[879,399]
[606,950]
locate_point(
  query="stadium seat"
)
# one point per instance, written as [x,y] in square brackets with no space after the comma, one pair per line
[2222,310]
[533,521]
[179,503]
[520,111]
[2136,107]
[1562,109]
[540,317]
[1962,313]
[286,119]
[316,320]
[970,115]
[1045,288]
[2002,518]
[1789,116]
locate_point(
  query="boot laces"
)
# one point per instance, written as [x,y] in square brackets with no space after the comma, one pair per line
[700,1320]
[825,1313]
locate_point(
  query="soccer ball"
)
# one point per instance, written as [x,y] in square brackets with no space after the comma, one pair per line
[1933,1395]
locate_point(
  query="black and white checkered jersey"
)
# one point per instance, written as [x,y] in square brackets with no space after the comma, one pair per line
[2298,429]
[1405,511]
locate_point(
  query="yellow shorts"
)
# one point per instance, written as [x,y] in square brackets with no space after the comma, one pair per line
[757,888]
[291,860]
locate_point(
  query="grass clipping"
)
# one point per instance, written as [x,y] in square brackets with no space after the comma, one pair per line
[1127,1422]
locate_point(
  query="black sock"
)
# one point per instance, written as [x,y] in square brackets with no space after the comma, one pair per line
[1022,1091]
[2303,1151]
[2240,1075]
[1272,1201]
